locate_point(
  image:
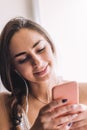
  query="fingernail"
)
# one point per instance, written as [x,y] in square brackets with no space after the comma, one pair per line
[64,100]
[70,124]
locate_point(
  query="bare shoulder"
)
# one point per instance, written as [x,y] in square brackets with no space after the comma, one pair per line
[4,110]
[4,98]
[83,93]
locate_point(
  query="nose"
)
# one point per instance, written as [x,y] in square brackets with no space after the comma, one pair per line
[36,61]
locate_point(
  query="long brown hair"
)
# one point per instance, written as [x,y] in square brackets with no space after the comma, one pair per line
[10,79]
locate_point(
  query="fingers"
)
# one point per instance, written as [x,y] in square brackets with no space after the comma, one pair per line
[80,120]
[79,124]
[74,108]
[79,108]
[61,120]
[65,126]
[81,116]
[53,105]
[60,123]
[55,109]
[56,122]
[58,112]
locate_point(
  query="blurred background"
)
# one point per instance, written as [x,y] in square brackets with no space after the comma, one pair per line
[66,22]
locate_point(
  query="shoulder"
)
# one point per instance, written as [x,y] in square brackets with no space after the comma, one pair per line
[4,97]
[83,93]
[4,110]
[5,101]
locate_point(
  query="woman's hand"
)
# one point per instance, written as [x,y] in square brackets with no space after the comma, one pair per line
[80,122]
[54,116]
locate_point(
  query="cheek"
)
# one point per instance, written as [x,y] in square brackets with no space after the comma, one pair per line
[51,59]
[24,70]
[49,55]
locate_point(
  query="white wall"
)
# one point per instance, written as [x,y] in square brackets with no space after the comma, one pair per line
[66,21]
[14,8]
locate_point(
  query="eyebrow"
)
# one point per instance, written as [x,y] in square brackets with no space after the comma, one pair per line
[36,43]
[19,54]
[22,53]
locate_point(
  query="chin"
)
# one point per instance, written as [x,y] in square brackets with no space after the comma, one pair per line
[44,78]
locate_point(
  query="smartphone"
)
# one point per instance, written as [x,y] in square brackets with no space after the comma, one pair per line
[68,90]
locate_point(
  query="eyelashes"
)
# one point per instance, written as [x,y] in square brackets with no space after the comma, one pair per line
[23,60]
[28,58]
[40,50]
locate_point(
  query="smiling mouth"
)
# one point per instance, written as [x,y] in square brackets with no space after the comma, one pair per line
[42,72]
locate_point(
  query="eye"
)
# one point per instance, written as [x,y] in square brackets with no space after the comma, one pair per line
[41,50]
[23,60]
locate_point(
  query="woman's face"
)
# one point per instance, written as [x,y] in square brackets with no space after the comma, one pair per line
[32,55]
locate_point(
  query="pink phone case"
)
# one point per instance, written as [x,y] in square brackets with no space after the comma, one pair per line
[68,90]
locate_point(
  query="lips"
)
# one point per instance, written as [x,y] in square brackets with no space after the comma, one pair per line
[42,72]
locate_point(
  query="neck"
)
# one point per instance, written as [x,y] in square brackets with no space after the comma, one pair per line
[43,91]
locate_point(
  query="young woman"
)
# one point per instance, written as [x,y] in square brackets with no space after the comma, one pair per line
[27,69]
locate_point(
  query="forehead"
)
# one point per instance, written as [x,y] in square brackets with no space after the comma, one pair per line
[24,35]
[24,38]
